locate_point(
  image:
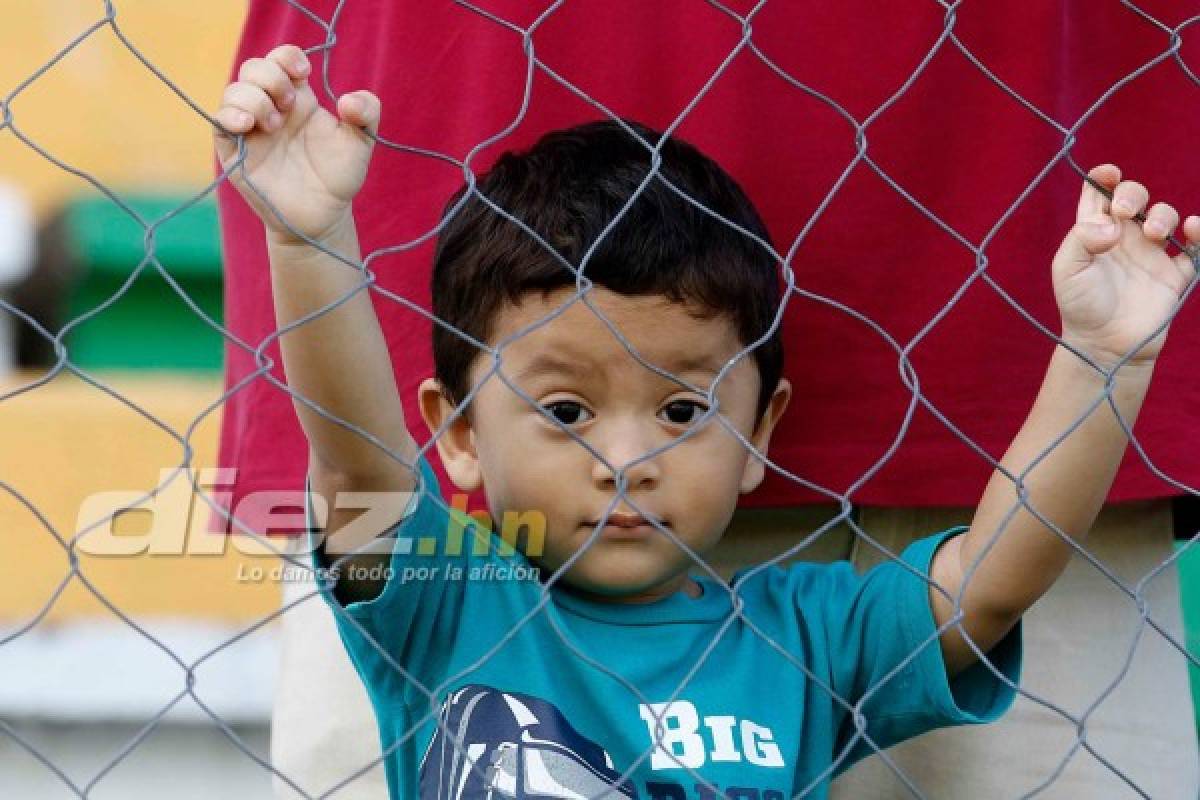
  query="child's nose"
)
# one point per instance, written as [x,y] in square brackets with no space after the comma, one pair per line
[630,453]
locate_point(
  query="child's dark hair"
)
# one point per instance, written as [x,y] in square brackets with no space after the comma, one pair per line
[567,188]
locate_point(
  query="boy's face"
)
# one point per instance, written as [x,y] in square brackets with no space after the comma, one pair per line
[577,370]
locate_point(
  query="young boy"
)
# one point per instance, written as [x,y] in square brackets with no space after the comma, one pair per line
[616,429]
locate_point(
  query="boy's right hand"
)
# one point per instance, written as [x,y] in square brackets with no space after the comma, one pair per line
[307,162]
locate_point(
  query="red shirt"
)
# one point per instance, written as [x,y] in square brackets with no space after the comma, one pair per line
[449,78]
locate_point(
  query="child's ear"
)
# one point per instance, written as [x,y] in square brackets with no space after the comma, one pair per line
[755,470]
[456,444]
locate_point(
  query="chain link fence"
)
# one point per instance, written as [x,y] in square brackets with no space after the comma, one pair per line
[192,690]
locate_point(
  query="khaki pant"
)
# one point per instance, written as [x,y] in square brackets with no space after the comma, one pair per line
[1077,639]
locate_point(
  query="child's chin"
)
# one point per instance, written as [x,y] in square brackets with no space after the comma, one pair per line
[614,574]
[616,584]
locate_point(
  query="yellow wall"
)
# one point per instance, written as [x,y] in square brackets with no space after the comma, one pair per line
[65,441]
[103,112]
[100,109]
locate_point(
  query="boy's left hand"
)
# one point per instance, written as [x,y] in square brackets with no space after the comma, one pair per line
[1114,283]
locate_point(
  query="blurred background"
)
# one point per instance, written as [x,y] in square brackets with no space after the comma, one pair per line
[78,683]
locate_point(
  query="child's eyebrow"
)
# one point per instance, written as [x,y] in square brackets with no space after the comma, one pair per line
[550,364]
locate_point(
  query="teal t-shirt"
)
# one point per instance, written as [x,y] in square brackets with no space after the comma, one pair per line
[485,684]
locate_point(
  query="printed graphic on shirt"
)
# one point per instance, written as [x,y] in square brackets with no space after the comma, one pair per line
[685,739]
[491,744]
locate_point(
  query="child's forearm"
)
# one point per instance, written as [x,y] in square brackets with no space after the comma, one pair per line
[339,361]
[1067,486]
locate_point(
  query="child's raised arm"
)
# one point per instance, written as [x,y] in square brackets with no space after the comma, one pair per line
[310,164]
[1115,286]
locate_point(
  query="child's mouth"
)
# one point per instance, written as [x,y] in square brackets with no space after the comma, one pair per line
[625,526]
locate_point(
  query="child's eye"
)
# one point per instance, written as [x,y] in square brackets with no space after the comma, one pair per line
[683,412]
[568,412]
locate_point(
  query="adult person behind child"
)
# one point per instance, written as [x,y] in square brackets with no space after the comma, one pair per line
[451,78]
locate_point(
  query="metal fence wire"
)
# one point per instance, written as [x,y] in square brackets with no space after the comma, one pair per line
[190,689]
